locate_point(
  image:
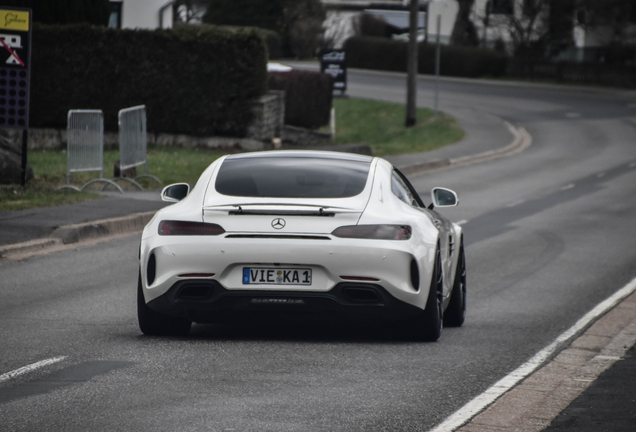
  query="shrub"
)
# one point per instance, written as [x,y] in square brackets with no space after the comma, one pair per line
[193,80]
[270,37]
[308,97]
[391,55]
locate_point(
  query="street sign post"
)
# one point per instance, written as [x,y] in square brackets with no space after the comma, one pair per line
[334,63]
[15,73]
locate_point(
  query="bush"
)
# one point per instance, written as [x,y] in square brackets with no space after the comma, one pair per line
[270,37]
[391,55]
[308,97]
[193,80]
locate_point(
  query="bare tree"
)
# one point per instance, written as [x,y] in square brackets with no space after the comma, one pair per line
[526,22]
[187,12]
[464,32]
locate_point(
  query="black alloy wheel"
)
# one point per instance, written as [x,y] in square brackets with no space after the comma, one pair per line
[427,325]
[455,313]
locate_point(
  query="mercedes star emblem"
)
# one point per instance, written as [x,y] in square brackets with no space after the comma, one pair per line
[278,223]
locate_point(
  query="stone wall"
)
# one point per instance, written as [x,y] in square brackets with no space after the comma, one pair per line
[269,117]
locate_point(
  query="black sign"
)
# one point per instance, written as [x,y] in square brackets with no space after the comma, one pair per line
[334,63]
[15,50]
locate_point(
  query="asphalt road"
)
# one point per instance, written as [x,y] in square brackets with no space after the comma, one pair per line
[549,235]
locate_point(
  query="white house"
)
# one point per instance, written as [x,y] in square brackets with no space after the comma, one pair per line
[493,18]
[145,14]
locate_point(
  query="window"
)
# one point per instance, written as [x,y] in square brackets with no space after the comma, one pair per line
[114,21]
[292,177]
[400,190]
[403,190]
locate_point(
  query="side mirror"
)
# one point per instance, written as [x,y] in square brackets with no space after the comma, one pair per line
[442,197]
[175,192]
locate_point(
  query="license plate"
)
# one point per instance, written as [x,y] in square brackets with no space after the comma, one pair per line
[276,276]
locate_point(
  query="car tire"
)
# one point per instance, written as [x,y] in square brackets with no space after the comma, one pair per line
[455,313]
[427,325]
[152,323]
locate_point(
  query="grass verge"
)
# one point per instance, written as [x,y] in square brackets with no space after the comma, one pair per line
[377,124]
[170,165]
[381,126]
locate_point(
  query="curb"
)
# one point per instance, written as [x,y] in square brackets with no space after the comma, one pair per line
[78,233]
[521,141]
[539,398]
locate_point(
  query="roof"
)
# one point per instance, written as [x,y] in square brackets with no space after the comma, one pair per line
[318,154]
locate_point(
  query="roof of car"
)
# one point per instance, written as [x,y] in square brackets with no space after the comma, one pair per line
[318,154]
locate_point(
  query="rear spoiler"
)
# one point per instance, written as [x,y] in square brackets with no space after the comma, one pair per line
[278,209]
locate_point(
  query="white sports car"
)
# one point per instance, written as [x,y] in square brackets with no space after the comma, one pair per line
[300,232]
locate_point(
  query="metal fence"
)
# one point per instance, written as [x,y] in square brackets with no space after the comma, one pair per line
[85,146]
[133,142]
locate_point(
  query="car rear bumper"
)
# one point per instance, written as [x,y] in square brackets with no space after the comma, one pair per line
[207,301]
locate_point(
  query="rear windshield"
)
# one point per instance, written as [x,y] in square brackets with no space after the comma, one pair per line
[292,177]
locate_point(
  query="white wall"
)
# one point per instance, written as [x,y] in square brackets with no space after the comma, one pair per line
[145,14]
[447,10]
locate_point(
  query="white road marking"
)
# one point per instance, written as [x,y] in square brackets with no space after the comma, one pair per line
[26,369]
[566,187]
[572,115]
[462,222]
[516,203]
[481,402]
[600,175]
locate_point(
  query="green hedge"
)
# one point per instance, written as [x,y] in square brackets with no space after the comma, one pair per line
[270,37]
[391,55]
[308,97]
[193,80]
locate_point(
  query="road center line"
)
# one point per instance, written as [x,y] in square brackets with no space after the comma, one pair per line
[481,402]
[566,187]
[26,369]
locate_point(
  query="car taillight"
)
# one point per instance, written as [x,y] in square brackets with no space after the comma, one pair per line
[378,232]
[184,228]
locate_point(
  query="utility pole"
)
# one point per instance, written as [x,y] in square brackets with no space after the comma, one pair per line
[411,69]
